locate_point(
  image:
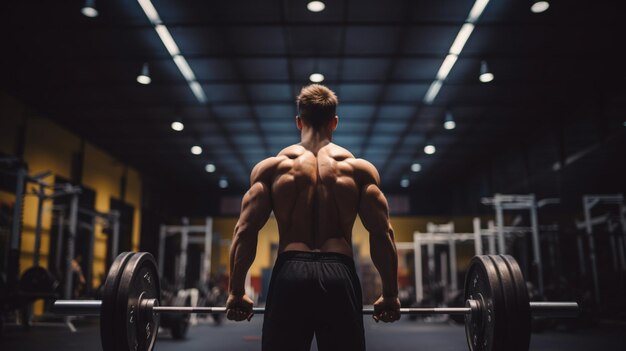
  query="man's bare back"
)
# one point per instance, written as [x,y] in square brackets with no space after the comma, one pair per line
[315,196]
[315,189]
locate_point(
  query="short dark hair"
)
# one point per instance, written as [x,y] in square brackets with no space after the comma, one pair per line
[317,105]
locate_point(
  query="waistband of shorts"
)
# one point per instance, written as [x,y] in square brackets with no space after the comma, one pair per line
[314,256]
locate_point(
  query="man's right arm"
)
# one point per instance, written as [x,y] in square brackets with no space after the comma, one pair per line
[374,213]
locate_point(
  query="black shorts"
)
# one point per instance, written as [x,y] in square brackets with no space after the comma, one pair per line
[313,293]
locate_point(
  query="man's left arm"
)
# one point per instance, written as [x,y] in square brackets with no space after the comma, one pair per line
[255,211]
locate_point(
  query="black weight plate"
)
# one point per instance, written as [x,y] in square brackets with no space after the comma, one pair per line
[109,298]
[38,280]
[485,333]
[507,286]
[135,329]
[521,303]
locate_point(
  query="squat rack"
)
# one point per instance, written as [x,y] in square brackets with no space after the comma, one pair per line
[184,231]
[109,219]
[443,234]
[589,202]
[502,202]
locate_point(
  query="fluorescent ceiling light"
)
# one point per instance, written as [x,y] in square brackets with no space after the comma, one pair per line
[455,50]
[432,92]
[316,6]
[461,39]
[150,11]
[167,40]
[196,150]
[197,90]
[184,68]
[210,168]
[476,11]
[316,77]
[172,48]
[539,6]
[416,167]
[446,66]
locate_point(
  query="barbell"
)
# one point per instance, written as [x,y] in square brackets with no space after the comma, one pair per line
[497,309]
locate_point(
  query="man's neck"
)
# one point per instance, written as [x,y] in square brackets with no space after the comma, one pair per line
[313,140]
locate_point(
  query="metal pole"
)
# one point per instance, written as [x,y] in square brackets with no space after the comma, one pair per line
[587,204]
[13,258]
[534,223]
[71,238]
[89,258]
[443,262]
[114,222]
[41,195]
[581,254]
[59,244]
[622,218]
[478,239]
[492,237]
[454,281]
[182,265]
[162,235]
[622,254]
[419,287]
[613,245]
[208,251]
[430,246]
[544,309]
[500,225]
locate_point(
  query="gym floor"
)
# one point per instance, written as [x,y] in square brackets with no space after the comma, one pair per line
[230,336]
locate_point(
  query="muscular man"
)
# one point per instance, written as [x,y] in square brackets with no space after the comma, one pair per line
[316,189]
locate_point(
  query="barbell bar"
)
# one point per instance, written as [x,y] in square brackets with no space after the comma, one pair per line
[497,308]
[538,309]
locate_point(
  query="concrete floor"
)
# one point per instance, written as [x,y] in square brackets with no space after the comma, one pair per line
[230,336]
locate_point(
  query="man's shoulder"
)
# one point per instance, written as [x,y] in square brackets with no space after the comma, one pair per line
[291,151]
[264,170]
[364,170]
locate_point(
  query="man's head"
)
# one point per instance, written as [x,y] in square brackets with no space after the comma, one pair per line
[317,107]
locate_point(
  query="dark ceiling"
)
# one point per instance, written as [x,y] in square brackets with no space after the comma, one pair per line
[251,57]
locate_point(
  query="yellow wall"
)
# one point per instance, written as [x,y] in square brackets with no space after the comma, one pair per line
[103,173]
[49,147]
